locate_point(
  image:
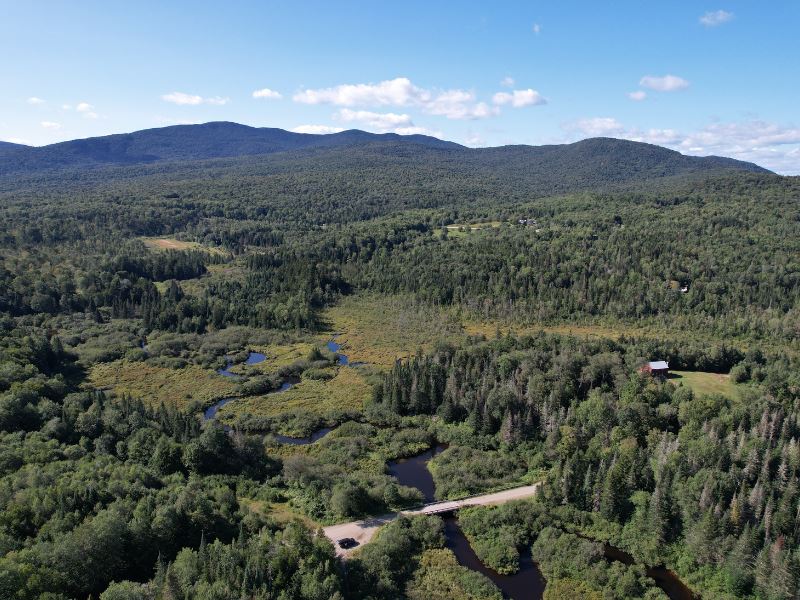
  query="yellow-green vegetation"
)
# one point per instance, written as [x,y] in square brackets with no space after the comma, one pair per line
[216,272]
[460,229]
[282,512]
[168,244]
[347,390]
[154,384]
[440,577]
[172,244]
[381,329]
[277,356]
[706,383]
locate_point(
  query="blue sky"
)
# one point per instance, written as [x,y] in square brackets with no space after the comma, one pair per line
[703,78]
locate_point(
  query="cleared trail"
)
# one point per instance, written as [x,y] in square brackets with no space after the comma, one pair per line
[363,530]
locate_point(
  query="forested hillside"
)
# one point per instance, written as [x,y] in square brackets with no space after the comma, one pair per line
[215,341]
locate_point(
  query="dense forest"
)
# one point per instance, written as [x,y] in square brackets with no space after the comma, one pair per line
[180,268]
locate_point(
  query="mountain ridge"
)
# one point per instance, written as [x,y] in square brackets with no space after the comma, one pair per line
[618,159]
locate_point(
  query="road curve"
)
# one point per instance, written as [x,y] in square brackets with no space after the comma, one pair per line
[363,530]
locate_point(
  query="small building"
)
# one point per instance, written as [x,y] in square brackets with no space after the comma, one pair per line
[656,368]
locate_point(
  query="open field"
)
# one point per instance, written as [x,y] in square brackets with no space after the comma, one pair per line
[282,512]
[457,229]
[381,329]
[706,383]
[159,384]
[173,244]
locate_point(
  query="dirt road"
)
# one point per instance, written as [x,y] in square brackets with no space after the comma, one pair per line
[362,531]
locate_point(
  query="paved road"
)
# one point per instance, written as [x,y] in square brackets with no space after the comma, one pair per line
[362,531]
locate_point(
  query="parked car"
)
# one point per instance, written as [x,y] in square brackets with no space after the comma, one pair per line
[346,543]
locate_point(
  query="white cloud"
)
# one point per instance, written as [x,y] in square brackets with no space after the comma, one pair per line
[638,95]
[183,99]
[519,98]
[453,104]
[397,92]
[317,129]
[417,131]
[537,29]
[381,121]
[50,125]
[192,100]
[507,82]
[667,83]
[14,140]
[774,146]
[267,94]
[401,124]
[66,107]
[459,104]
[474,140]
[87,110]
[714,18]
[35,101]
[597,126]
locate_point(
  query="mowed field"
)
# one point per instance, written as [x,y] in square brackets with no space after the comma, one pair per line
[703,383]
[155,243]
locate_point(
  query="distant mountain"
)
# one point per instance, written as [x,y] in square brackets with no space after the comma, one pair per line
[188,142]
[556,167]
[9,147]
[609,160]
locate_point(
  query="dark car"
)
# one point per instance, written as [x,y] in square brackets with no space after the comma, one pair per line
[346,543]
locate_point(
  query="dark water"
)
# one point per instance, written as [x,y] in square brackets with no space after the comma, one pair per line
[285,439]
[526,584]
[334,347]
[413,471]
[211,411]
[252,359]
[664,578]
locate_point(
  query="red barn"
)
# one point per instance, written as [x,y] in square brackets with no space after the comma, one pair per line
[656,368]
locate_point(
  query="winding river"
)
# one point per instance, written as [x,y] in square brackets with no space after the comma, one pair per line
[294,441]
[527,583]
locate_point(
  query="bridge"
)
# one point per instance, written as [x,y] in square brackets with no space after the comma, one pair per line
[362,531]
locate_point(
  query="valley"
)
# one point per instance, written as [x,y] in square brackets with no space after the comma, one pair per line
[233,345]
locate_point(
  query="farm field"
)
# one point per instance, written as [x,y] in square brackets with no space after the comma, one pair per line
[706,383]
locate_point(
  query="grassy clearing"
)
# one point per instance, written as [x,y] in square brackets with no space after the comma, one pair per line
[173,244]
[346,391]
[703,383]
[458,229]
[381,329]
[277,356]
[227,271]
[158,384]
[282,512]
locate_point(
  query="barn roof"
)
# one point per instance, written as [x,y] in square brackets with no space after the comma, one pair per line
[657,365]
